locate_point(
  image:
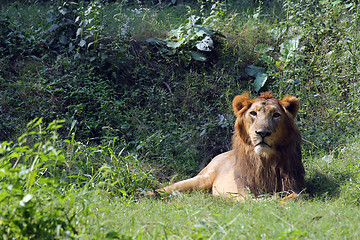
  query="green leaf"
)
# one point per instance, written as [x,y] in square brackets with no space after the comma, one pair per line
[254,71]
[260,81]
[63,11]
[176,44]
[260,76]
[56,124]
[78,177]
[176,33]
[53,27]
[202,30]
[79,32]
[63,39]
[263,48]
[198,56]
[113,235]
[267,59]
[26,199]
[82,43]
[287,48]
[14,155]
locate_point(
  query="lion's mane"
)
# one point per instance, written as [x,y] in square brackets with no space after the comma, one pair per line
[282,171]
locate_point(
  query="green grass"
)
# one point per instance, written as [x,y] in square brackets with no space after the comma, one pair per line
[336,175]
[329,211]
[199,216]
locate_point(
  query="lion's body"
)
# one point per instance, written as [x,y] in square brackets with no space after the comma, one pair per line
[266,154]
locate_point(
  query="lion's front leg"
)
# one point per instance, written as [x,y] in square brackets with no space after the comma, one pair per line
[199,182]
[291,196]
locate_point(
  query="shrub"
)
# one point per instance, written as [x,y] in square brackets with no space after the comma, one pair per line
[30,185]
[38,178]
[196,38]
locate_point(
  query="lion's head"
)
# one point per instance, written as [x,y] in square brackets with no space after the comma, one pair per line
[268,143]
[265,122]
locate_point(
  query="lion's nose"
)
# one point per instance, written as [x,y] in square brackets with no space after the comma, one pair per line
[263,133]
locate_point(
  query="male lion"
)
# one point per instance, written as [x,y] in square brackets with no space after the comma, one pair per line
[266,154]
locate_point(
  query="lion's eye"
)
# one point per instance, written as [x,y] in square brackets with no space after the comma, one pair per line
[276,115]
[253,113]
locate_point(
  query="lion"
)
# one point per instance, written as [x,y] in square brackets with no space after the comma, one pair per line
[265,156]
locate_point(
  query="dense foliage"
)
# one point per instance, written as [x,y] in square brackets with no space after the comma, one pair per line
[100,92]
[40,173]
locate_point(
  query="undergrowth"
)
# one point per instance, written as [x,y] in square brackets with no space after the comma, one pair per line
[43,177]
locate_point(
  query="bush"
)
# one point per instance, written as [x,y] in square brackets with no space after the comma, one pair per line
[196,38]
[37,181]
[30,186]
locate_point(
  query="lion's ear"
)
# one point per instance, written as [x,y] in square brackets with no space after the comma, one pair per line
[240,102]
[291,104]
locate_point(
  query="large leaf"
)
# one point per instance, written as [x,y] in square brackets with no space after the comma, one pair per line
[289,47]
[198,56]
[260,76]
[176,44]
[260,81]
[202,30]
[176,33]
[268,59]
[253,71]
[205,45]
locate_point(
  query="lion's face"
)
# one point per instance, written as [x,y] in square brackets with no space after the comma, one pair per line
[264,122]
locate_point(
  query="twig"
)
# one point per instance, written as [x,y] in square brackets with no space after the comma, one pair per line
[310,143]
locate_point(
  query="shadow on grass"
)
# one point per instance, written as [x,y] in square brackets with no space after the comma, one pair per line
[321,186]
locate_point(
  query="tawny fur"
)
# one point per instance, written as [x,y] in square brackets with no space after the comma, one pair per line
[266,154]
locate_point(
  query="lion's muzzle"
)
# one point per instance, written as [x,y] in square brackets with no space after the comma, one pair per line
[263,133]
